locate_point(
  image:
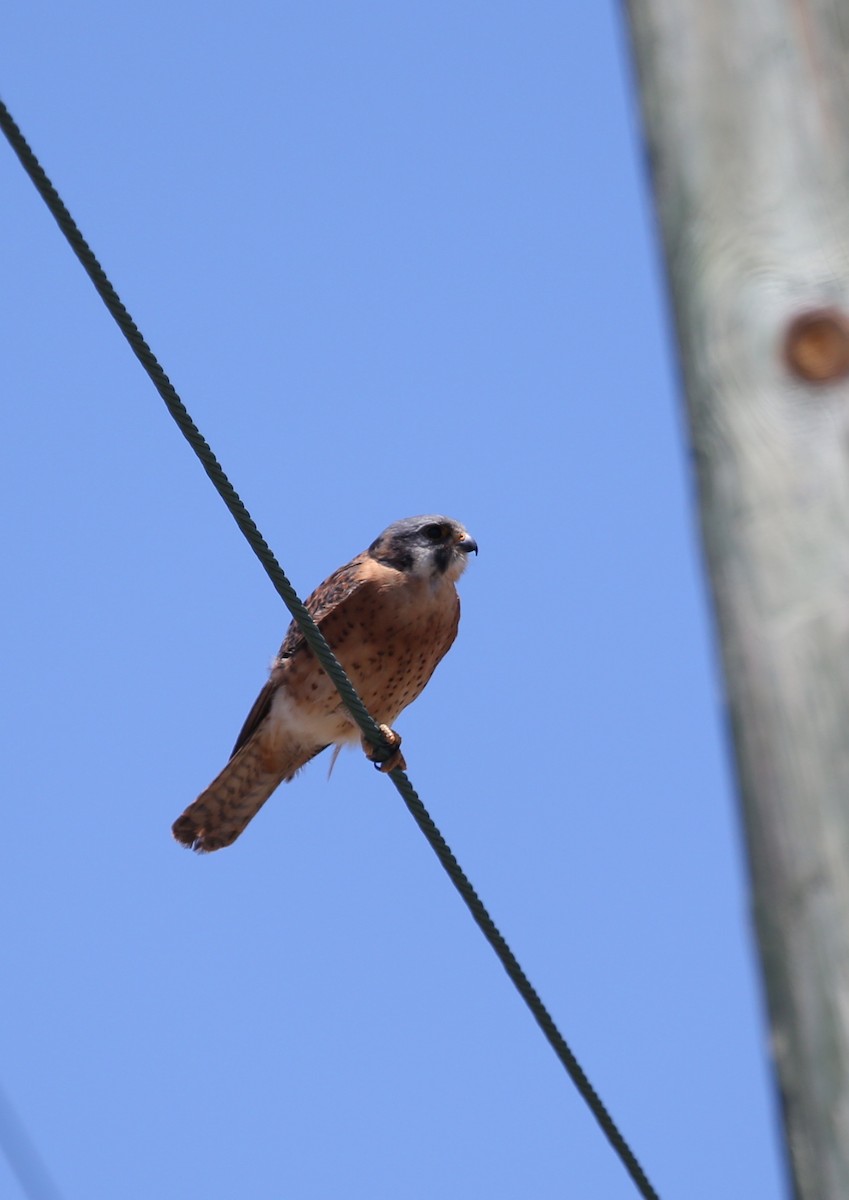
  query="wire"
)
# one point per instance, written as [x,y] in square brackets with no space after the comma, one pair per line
[317,643]
[22,1156]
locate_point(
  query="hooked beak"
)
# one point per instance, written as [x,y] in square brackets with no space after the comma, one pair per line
[467,544]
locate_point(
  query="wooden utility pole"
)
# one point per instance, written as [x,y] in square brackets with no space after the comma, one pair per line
[746,109]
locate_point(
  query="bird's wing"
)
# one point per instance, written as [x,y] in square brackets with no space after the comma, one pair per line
[255,717]
[326,598]
[323,602]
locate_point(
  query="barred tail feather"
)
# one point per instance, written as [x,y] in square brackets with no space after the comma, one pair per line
[234,798]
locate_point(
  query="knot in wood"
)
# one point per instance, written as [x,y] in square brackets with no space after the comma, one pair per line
[816,345]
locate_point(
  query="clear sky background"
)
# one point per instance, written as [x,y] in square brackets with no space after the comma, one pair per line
[396,258]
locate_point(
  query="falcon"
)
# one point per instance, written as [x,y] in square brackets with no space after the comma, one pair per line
[389,616]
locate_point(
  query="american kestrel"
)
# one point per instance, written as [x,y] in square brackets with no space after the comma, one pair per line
[389,616]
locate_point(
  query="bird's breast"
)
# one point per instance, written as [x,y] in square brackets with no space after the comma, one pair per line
[389,641]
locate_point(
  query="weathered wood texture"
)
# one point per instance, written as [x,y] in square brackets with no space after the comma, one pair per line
[746,110]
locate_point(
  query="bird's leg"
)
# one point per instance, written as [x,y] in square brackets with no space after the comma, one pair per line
[383,760]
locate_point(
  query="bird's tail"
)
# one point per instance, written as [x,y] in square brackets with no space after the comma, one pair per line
[220,813]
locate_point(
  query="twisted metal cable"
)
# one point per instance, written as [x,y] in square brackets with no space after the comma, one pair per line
[318,644]
[190,431]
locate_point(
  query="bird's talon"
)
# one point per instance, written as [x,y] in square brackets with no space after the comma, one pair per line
[384,760]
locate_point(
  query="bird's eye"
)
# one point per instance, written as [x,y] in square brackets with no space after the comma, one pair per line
[434,533]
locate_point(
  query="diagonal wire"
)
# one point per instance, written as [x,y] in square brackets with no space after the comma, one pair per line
[317,643]
[23,1157]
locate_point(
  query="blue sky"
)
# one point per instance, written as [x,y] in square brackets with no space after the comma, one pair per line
[396,258]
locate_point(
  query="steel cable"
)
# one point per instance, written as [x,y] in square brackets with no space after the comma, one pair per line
[319,646]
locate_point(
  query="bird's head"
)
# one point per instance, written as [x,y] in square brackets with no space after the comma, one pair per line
[431,547]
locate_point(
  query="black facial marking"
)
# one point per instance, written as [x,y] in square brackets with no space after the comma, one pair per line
[417,542]
[392,554]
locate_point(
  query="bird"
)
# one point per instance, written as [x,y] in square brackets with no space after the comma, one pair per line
[389,615]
